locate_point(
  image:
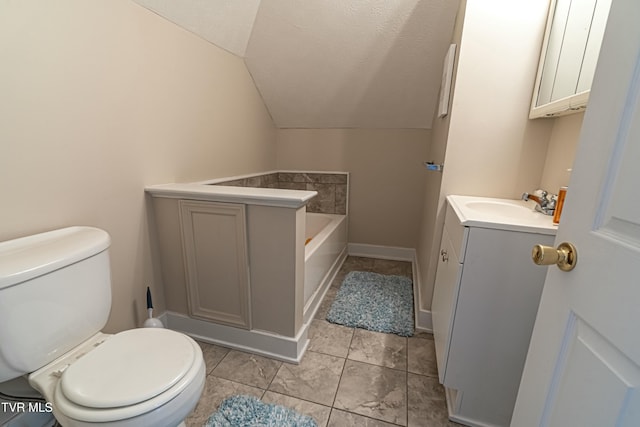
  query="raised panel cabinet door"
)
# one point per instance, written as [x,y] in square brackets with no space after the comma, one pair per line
[215,256]
[445,296]
[574,42]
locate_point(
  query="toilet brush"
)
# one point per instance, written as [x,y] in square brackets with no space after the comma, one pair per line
[151,322]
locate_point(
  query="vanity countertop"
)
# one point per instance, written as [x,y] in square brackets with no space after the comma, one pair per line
[502,214]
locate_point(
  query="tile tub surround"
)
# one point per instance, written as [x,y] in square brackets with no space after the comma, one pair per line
[332,187]
[348,377]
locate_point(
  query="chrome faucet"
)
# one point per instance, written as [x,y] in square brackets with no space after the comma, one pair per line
[545,203]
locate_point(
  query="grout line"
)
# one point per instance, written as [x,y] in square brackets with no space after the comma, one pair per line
[332,407]
[348,350]
[220,361]
[406,378]
[371,364]
[342,371]
[408,362]
[273,378]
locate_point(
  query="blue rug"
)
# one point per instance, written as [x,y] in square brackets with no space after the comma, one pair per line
[375,302]
[249,411]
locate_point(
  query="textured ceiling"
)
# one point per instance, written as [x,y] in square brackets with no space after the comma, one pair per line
[332,63]
[225,23]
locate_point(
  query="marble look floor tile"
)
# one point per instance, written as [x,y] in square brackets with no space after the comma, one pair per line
[378,348]
[422,357]
[375,388]
[247,369]
[212,354]
[433,414]
[342,419]
[373,391]
[423,334]
[315,378]
[426,402]
[215,391]
[355,263]
[330,339]
[337,281]
[325,305]
[392,267]
[319,413]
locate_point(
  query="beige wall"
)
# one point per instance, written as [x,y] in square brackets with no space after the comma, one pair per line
[561,152]
[386,181]
[433,180]
[101,98]
[492,148]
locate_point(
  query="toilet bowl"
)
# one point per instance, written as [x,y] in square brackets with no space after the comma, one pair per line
[138,377]
[134,378]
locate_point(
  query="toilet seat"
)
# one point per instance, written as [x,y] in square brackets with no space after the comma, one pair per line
[129,374]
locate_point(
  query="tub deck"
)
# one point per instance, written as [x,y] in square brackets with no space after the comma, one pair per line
[216,301]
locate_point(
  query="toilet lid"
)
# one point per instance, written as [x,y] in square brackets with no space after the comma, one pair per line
[128,368]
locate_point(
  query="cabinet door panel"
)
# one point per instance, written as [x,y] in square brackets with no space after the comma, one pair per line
[445,296]
[592,50]
[497,303]
[554,47]
[215,253]
[576,34]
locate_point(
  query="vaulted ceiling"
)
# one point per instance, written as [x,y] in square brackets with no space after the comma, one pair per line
[331,63]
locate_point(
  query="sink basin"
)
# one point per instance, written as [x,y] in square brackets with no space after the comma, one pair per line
[505,208]
[505,214]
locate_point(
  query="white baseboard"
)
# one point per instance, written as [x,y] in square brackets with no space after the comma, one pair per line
[423,321]
[422,317]
[291,349]
[454,399]
[287,349]
[381,252]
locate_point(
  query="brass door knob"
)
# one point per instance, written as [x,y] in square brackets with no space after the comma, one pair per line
[565,256]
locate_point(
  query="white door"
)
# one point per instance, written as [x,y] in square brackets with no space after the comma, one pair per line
[583,366]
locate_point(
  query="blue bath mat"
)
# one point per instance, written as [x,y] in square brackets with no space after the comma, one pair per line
[248,411]
[375,302]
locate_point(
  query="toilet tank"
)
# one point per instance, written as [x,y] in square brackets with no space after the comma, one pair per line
[55,292]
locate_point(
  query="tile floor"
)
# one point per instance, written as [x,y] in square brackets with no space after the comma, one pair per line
[347,377]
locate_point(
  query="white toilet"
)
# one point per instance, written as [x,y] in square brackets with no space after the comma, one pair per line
[55,297]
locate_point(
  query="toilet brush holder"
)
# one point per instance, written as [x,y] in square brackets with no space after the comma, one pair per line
[151,321]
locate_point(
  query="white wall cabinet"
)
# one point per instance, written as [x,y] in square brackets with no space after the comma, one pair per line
[569,55]
[485,302]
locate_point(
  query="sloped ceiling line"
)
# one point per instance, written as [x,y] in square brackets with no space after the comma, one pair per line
[331,64]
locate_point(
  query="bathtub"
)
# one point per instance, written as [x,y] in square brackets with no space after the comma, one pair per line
[269,226]
[324,252]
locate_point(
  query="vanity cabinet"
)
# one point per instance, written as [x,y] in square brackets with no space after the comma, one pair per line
[484,306]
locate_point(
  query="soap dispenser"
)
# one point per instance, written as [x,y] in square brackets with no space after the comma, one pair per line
[559,205]
[562,193]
